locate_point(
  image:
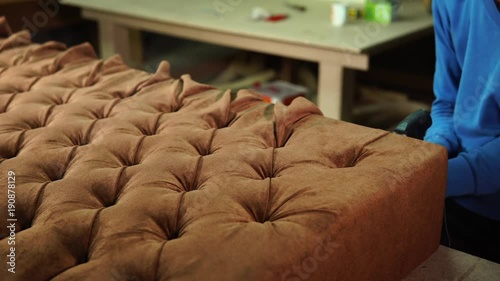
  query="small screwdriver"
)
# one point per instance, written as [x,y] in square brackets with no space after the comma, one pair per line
[297,7]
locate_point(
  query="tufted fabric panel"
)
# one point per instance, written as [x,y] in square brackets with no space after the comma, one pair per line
[126,175]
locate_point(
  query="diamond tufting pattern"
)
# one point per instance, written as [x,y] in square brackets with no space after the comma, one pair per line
[126,175]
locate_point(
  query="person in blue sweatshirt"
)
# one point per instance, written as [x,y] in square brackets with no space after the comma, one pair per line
[466,120]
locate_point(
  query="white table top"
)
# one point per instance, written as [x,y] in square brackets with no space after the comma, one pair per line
[312,28]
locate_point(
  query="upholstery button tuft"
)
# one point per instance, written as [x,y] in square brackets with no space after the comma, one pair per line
[131,164]
[78,141]
[204,152]
[110,204]
[35,126]
[55,177]
[147,132]
[59,102]
[173,235]
[99,115]
[266,220]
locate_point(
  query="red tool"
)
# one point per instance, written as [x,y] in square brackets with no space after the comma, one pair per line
[277,17]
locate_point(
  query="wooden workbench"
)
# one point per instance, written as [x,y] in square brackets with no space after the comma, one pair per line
[305,36]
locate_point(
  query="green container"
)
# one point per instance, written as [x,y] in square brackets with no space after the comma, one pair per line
[379,11]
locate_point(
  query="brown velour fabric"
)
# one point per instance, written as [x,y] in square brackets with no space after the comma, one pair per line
[126,175]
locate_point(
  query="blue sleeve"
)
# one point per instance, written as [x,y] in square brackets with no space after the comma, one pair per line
[476,172]
[446,81]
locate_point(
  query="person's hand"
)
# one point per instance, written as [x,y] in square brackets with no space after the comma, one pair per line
[451,144]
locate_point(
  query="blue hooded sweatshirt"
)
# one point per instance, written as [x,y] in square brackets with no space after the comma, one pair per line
[466,112]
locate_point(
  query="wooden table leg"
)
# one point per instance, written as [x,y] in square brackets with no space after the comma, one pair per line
[336,91]
[115,39]
[286,69]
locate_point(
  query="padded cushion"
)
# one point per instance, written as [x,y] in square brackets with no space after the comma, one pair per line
[126,175]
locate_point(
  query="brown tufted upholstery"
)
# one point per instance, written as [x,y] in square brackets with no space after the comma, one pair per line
[125,175]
